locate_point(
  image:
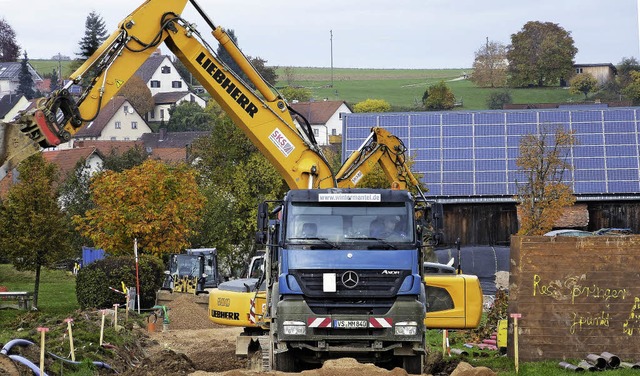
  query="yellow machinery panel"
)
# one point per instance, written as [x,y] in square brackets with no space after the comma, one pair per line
[234,308]
[454,301]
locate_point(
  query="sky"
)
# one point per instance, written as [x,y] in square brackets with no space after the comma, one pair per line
[413,34]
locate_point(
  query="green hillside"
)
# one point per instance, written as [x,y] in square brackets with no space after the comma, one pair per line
[402,88]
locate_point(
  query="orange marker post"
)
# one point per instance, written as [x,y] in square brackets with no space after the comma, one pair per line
[515,317]
[73,353]
[42,342]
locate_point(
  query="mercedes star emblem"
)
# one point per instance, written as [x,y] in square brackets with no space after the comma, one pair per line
[350,279]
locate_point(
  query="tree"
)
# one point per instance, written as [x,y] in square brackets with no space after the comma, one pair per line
[583,83]
[75,198]
[299,94]
[138,94]
[625,67]
[33,233]
[438,97]
[25,87]
[54,84]
[289,75]
[489,66]
[632,90]
[497,99]
[9,48]
[235,177]
[372,105]
[157,204]
[543,195]
[118,162]
[268,73]
[95,34]
[540,54]
[189,116]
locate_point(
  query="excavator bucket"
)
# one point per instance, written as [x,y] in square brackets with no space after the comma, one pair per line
[15,147]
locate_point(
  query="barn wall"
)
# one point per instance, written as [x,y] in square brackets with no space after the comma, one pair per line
[615,214]
[479,223]
[577,295]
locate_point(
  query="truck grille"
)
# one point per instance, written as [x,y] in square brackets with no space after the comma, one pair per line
[370,284]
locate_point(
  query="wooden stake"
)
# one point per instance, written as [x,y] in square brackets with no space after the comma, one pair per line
[73,353]
[102,327]
[115,314]
[42,342]
[515,317]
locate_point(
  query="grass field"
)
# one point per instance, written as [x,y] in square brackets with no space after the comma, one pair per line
[58,299]
[402,88]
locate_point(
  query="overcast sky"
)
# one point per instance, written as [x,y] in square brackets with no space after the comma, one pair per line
[366,33]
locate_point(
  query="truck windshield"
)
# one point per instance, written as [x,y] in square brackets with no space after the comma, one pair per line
[350,225]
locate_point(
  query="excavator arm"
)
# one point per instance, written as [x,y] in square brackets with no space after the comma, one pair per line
[263,116]
[380,148]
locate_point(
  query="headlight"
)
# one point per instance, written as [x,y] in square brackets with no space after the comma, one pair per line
[294,328]
[409,328]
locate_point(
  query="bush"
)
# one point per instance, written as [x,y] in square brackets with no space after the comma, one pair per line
[94,280]
[498,99]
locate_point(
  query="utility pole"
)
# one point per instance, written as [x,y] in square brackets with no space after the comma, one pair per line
[331,39]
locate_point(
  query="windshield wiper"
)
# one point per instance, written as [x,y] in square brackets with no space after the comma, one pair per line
[324,240]
[386,243]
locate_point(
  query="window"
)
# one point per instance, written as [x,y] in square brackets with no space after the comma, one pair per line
[176,84]
[155,83]
[161,114]
[316,133]
[334,132]
[126,109]
[118,125]
[165,69]
[152,114]
[578,70]
[134,125]
[126,138]
[113,138]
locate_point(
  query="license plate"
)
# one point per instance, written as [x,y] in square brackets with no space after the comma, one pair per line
[350,324]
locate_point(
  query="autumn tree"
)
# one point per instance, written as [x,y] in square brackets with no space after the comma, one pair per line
[9,48]
[489,66]
[235,177]
[138,94]
[119,161]
[438,97]
[624,68]
[33,233]
[583,83]
[543,194]
[25,86]
[540,54]
[300,94]
[632,90]
[157,204]
[189,116]
[372,105]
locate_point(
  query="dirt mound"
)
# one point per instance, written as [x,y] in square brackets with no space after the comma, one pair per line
[185,313]
[164,363]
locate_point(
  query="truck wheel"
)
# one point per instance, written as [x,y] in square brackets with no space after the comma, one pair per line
[284,362]
[413,364]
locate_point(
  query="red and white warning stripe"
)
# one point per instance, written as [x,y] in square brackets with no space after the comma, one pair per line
[252,312]
[319,322]
[375,322]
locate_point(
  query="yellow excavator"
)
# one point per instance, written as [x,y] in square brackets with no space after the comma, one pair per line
[264,116]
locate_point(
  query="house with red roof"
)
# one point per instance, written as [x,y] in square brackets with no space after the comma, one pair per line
[117,121]
[325,118]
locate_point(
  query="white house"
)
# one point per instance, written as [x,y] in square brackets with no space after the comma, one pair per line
[165,101]
[10,77]
[164,82]
[117,121]
[325,118]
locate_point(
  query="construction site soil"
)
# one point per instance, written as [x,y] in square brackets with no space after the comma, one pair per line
[193,345]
